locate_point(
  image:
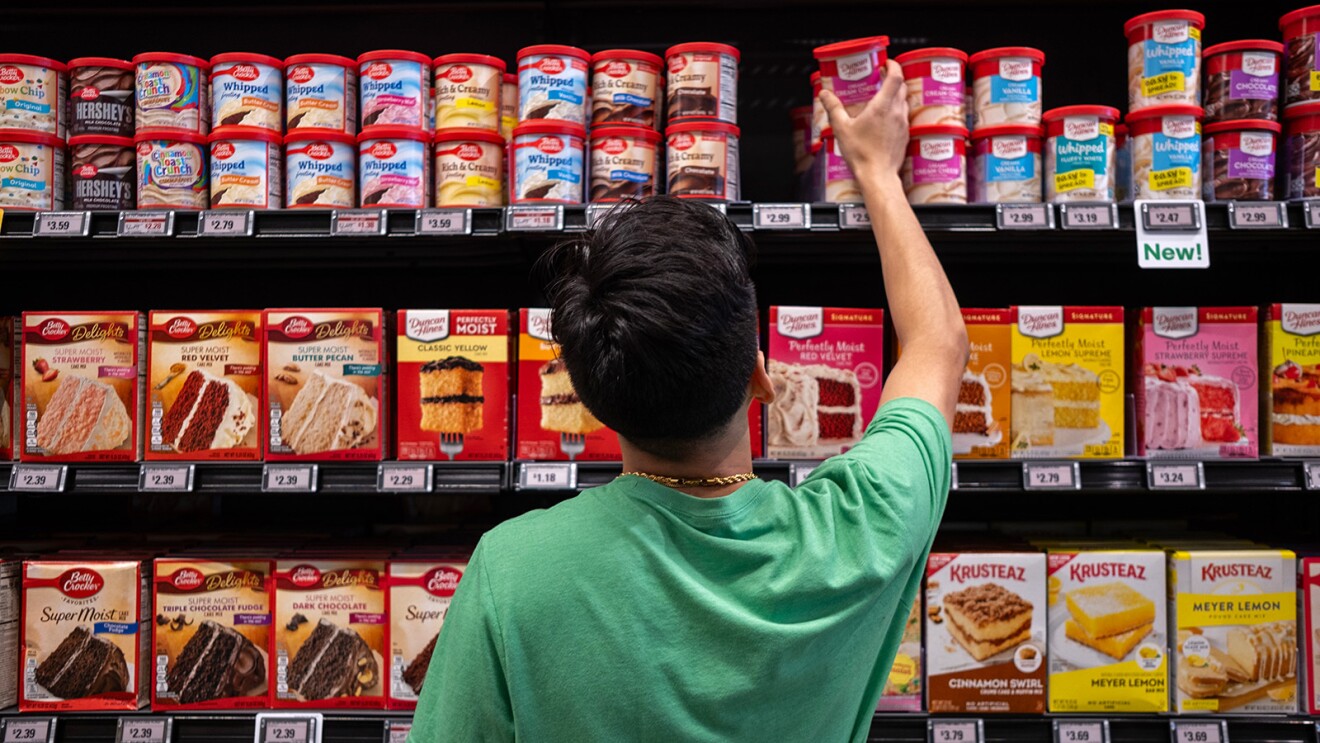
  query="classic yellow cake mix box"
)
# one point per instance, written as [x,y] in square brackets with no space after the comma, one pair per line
[981,422]
[1067,383]
[419,596]
[1290,403]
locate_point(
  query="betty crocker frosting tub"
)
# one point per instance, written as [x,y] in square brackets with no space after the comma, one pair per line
[469,167]
[32,94]
[625,87]
[394,167]
[31,171]
[394,89]
[468,91]
[702,82]
[1164,59]
[548,163]
[853,70]
[703,160]
[247,170]
[320,170]
[321,92]
[1006,86]
[172,92]
[552,83]
[247,90]
[624,162]
[101,97]
[936,86]
[172,169]
[102,170]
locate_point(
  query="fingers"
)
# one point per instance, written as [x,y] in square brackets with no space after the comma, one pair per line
[893,86]
[833,107]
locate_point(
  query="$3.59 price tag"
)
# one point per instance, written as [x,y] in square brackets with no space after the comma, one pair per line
[955,731]
[62,224]
[144,730]
[28,730]
[444,222]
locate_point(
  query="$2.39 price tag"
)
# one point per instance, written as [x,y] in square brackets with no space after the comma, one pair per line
[288,478]
[288,728]
[170,478]
[144,730]
[38,478]
[28,730]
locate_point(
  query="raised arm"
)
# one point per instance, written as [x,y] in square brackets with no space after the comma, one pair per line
[921,302]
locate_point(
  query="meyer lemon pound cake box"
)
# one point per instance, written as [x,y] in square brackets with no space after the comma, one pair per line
[453,384]
[1107,630]
[825,363]
[325,384]
[1291,352]
[212,633]
[85,635]
[1195,379]
[1235,624]
[82,386]
[553,424]
[1310,636]
[419,596]
[330,627]
[903,687]
[204,383]
[985,632]
[981,422]
[1067,383]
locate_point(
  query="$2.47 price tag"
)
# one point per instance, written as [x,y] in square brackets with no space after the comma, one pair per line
[955,731]
[28,730]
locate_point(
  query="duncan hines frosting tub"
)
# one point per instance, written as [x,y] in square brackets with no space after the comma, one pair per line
[702,82]
[101,97]
[1301,32]
[935,170]
[394,168]
[625,87]
[1164,59]
[247,169]
[171,166]
[624,162]
[552,83]
[321,92]
[247,90]
[936,86]
[1239,159]
[703,160]
[172,92]
[1006,86]
[102,171]
[468,91]
[820,119]
[853,70]
[1303,137]
[31,171]
[394,89]
[547,163]
[469,167]
[32,94]
[1006,166]
[1080,156]
[320,170]
[840,185]
[1242,81]
[1166,152]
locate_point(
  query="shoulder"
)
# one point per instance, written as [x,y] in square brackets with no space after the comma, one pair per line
[532,536]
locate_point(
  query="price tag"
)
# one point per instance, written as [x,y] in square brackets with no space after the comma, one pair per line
[28,730]
[227,223]
[168,478]
[1171,234]
[444,222]
[146,224]
[1312,210]
[1175,476]
[1081,731]
[403,477]
[781,216]
[144,730]
[539,218]
[955,731]
[1024,216]
[62,224]
[396,731]
[1171,216]
[288,478]
[854,217]
[953,476]
[1257,215]
[799,471]
[38,478]
[287,728]
[595,213]
[1311,470]
[1089,216]
[547,476]
[1051,476]
[357,222]
[1187,731]
[718,206]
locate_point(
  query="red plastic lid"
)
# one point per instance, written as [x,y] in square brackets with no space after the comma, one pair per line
[393,132]
[399,54]
[1034,55]
[1299,14]
[1104,112]
[1302,109]
[1241,124]
[171,134]
[100,139]
[852,46]
[554,49]
[111,62]
[1196,19]
[467,134]
[815,78]
[333,59]
[550,126]
[510,79]
[627,54]
[29,59]
[187,59]
[1156,112]
[703,125]
[932,53]
[1120,130]
[641,132]
[799,111]
[1253,45]
[28,137]
[485,59]
[703,46]
[318,135]
[265,59]
[245,132]
[933,130]
[1007,130]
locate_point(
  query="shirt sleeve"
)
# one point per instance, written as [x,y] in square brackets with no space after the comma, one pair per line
[466,694]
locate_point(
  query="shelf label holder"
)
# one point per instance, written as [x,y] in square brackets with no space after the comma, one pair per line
[1311,208]
[38,478]
[1257,215]
[144,730]
[799,471]
[1098,216]
[1175,475]
[1024,217]
[62,224]
[854,217]
[547,476]
[279,727]
[1171,234]
[1051,476]
[1081,731]
[1311,474]
[288,478]
[1198,731]
[357,223]
[534,218]
[166,478]
[146,224]
[225,223]
[443,222]
[953,476]
[955,731]
[396,731]
[28,730]
[781,216]
[404,477]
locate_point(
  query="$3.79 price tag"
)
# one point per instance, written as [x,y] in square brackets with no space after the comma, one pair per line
[955,731]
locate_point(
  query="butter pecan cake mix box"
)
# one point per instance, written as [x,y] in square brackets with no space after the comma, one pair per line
[985,632]
[204,385]
[1290,403]
[903,687]
[325,385]
[981,422]
[1107,630]
[419,596]
[212,632]
[330,634]
[1310,635]
[86,635]
[1067,383]
[553,424]
[453,384]
[82,386]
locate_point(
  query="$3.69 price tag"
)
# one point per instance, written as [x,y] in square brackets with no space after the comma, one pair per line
[1187,731]
[955,731]
[1081,731]
[28,730]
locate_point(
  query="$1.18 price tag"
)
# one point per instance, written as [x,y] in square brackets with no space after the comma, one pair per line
[38,478]
[444,222]
[143,730]
[1081,731]
[1175,476]
[1051,476]
[781,216]
[403,478]
[171,478]
[28,730]
[288,478]
[62,224]
[547,476]
[955,731]
[1199,732]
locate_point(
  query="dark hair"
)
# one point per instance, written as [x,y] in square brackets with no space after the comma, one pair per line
[655,314]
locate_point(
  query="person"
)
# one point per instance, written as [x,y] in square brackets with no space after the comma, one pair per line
[686,600]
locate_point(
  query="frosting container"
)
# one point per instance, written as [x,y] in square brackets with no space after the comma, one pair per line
[623,162]
[247,90]
[1080,154]
[552,83]
[801,120]
[853,70]
[394,89]
[1242,81]
[1166,152]
[548,159]
[1303,174]
[936,87]
[1122,164]
[469,167]
[508,105]
[171,92]
[31,171]
[625,87]
[702,82]
[1164,59]
[1006,165]
[820,119]
[101,97]
[394,167]
[1006,86]
[935,170]
[32,94]
[839,185]
[703,160]
[468,91]
[1239,159]
[320,170]
[1301,32]
[171,166]
[247,168]
[321,92]
[102,170]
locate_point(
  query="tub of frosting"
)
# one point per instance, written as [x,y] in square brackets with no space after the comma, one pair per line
[394,167]
[171,91]
[1166,152]
[32,94]
[1301,33]
[1164,59]
[1303,137]
[1240,158]
[838,184]
[102,172]
[1006,164]
[321,92]
[1080,154]
[172,169]
[625,87]
[623,162]
[548,163]
[31,171]
[801,122]
[936,88]
[101,97]
[320,169]
[702,160]
[468,91]
[1242,81]
[247,90]
[935,169]
[1006,86]
[508,105]
[853,70]
[1122,164]
[469,167]
[820,119]
[247,168]
[702,82]
[552,83]
[394,89]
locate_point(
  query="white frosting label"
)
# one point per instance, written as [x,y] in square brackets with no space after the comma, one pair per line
[1174,322]
[1300,319]
[1040,322]
[800,322]
[856,67]
[1081,128]
[1008,148]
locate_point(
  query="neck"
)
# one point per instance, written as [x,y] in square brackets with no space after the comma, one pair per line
[726,455]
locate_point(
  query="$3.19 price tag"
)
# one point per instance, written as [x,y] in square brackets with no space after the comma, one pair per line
[229,223]
[143,730]
[403,478]
[288,728]
[1081,731]
[955,731]
[28,730]
[170,478]
[547,476]
[781,216]
[288,478]
[1089,216]
[1199,732]
[1175,476]
[62,224]
[1051,476]
[38,478]
[444,222]
[1024,217]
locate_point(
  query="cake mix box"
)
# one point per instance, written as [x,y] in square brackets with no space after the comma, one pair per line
[330,626]
[1107,630]
[86,635]
[453,384]
[8,401]
[1310,635]
[325,384]
[903,687]
[1291,353]
[11,618]
[82,386]
[212,634]
[1195,379]
[985,632]
[203,385]
[553,424]
[981,422]
[1067,383]
[826,365]
[420,592]
[1235,619]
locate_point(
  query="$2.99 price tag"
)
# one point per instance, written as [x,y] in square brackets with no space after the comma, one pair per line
[1024,217]
[781,216]
[955,731]
[29,730]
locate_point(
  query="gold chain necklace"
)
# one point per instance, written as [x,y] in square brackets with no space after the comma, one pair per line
[695,482]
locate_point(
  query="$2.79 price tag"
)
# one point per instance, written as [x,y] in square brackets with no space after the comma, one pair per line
[1050,476]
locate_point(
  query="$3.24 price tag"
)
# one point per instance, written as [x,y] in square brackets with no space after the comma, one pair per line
[288,478]
[955,731]
[1175,476]
[143,730]
[28,730]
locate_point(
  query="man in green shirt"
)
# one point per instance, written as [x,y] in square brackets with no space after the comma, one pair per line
[686,600]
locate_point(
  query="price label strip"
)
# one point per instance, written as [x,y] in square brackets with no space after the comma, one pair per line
[854,217]
[444,222]
[547,218]
[288,728]
[1197,731]
[1257,215]
[288,478]
[1081,731]
[1089,216]
[62,224]
[144,730]
[1171,234]
[28,730]
[146,224]
[166,478]
[1311,209]
[1024,217]
[227,223]
[1175,475]
[953,476]
[403,477]
[547,476]
[955,731]
[781,216]
[1051,476]
[38,478]
[1311,474]
[799,471]
[396,731]
[357,222]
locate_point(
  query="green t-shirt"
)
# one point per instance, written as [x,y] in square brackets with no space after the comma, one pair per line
[637,612]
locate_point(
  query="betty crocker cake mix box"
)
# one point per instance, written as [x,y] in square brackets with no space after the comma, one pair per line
[552,421]
[1291,401]
[419,595]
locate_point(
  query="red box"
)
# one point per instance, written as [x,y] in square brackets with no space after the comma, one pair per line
[8,398]
[1308,578]
[420,591]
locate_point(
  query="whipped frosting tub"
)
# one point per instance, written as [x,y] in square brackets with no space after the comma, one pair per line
[1006,86]
[469,167]
[102,171]
[625,86]
[853,70]
[1242,81]
[1164,59]
[936,87]
[547,163]
[247,90]
[623,162]
[702,82]
[320,170]
[321,92]
[468,91]
[31,171]
[394,89]
[703,160]
[1166,152]
[552,83]
[1080,154]
[1301,32]
[935,171]
[1240,158]
[172,92]
[394,168]
[1006,165]
[247,170]
[32,94]
[101,97]
[171,166]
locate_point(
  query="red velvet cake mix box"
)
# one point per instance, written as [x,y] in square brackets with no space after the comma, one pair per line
[212,634]
[325,384]
[8,402]
[86,635]
[453,384]
[825,363]
[330,626]
[82,386]
[203,382]
[419,596]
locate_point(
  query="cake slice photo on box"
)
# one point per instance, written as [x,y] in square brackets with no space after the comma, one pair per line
[553,423]
[1292,400]
[420,594]
[981,418]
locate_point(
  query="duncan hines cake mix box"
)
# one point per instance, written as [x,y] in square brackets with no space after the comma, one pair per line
[981,423]
[453,384]
[1107,630]
[1310,635]
[826,365]
[325,384]
[1290,403]
[903,688]
[330,629]
[420,592]
[86,635]
[204,384]
[81,386]
[552,421]
[985,632]
[1067,383]
[212,634]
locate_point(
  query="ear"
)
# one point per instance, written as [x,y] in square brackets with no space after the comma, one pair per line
[759,386]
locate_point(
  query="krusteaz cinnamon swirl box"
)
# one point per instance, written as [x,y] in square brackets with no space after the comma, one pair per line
[420,591]
[1290,403]
[553,424]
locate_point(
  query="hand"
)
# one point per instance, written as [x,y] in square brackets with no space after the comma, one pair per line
[874,142]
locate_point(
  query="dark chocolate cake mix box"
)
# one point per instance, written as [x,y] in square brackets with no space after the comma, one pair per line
[330,627]
[85,635]
[204,385]
[453,384]
[212,632]
[420,592]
